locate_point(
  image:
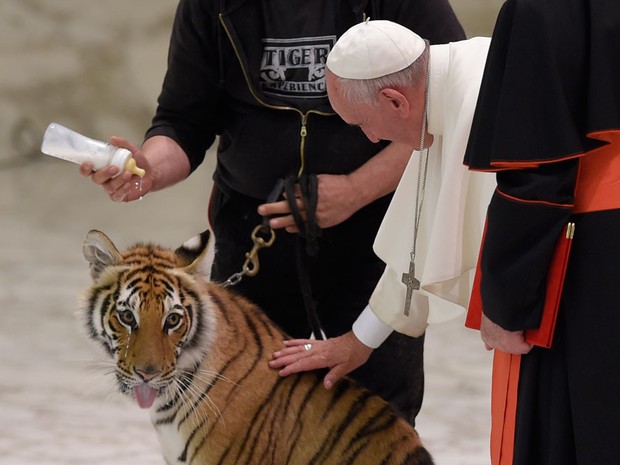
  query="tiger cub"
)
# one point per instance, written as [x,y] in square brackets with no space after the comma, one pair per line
[196,354]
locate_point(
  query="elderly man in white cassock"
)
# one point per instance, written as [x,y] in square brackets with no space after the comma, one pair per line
[385,79]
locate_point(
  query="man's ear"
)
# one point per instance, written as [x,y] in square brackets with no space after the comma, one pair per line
[395,100]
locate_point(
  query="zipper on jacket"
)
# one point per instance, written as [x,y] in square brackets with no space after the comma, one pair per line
[302,143]
[303,115]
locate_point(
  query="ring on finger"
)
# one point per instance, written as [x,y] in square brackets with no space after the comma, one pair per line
[308,346]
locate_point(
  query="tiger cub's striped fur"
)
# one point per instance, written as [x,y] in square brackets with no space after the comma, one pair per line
[196,354]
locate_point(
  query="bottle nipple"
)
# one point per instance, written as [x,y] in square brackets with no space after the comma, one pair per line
[133,168]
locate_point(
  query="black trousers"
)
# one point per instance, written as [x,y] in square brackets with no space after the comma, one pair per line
[343,276]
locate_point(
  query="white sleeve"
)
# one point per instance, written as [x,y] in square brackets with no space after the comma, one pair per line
[370,330]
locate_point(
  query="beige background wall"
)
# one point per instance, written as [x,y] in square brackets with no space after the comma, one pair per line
[477,16]
[97,66]
[94,66]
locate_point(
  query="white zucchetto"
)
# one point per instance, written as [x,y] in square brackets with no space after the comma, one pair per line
[373,49]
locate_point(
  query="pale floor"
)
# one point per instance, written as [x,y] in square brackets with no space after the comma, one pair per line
[56,408]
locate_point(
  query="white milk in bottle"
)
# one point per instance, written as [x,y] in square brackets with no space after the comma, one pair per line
[64,143]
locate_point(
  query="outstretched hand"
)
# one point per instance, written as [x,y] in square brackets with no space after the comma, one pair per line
[123,187]
[341,355]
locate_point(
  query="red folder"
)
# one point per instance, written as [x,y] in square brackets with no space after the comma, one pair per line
[543,335]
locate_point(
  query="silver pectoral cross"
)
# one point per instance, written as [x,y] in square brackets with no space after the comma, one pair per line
[412,284]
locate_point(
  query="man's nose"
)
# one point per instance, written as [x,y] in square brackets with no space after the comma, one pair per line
[371,136]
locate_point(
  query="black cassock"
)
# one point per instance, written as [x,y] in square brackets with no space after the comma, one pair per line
[548,122]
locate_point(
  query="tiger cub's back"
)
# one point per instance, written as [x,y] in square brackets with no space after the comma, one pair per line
[196,354]
[295,420]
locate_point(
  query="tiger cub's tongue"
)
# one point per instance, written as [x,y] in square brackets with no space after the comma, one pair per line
[145,395]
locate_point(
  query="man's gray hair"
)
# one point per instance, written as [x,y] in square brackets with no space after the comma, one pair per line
[365,91]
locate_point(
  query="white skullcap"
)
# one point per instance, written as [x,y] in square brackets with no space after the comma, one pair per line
[373,49]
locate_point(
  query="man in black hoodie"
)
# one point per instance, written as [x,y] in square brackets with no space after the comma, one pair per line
[253,73]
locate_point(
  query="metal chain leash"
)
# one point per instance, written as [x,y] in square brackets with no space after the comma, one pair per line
[251,265]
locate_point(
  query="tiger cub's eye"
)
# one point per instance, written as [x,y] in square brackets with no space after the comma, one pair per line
[127,317]
[173,320]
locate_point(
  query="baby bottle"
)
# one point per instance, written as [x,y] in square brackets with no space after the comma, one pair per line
[61,142]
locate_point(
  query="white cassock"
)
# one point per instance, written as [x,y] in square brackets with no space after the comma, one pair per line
[453,213]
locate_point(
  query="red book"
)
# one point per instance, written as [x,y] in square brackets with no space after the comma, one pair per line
[543,335]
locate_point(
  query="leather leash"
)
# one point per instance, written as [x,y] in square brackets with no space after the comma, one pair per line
[306,245]
[309,231]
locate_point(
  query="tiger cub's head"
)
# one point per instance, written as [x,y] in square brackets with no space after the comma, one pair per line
[146,310]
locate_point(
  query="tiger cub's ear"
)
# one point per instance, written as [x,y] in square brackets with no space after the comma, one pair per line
[191,255]
[100,252]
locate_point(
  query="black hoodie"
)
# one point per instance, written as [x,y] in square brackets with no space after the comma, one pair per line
[219,83]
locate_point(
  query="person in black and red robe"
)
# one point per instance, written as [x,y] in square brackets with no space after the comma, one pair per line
[548,122]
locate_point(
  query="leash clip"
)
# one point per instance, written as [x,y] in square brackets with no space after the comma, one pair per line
[252,265]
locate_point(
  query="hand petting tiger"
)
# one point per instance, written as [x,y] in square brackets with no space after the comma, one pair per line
[196,354]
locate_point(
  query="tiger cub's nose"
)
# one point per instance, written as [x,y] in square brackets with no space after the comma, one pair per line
[148,373]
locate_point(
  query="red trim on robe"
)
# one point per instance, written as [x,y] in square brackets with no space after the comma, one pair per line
[612,136]
[534,202]
[506,368]
[525,165]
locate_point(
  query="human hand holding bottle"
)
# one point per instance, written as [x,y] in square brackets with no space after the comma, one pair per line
[126,186]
